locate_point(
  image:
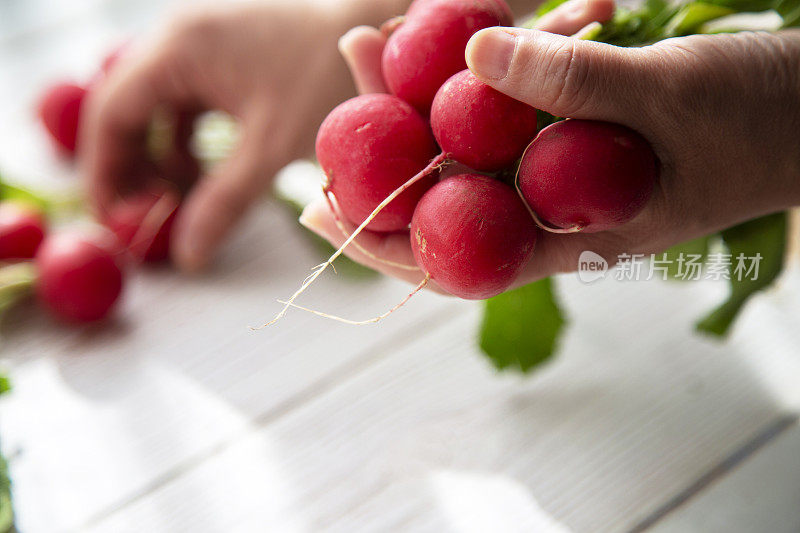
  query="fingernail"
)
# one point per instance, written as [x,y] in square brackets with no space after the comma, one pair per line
[309,220]
[490,53]
[579,7]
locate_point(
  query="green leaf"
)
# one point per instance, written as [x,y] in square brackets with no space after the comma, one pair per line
[16,281]
[591,31]
[763,237]
[544,119]
[521,327]
[64,204]
[691,16]
[18,194]
[747,6]
[548,6]
[684,256]
[789,10]
[6,511]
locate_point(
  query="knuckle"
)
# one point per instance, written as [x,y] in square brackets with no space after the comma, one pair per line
[562,73]
[192,24]
[571,72]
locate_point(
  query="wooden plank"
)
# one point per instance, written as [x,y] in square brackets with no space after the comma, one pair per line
[763,494]
[431,439]
[100,414]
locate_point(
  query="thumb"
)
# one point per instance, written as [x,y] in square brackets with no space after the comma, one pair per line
[564,76]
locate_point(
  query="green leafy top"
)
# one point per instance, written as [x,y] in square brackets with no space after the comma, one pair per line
[764,238]
[6,511]
[521,327]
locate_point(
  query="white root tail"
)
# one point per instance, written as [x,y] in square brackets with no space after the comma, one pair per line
[373,320]
[346,233]
[435,163]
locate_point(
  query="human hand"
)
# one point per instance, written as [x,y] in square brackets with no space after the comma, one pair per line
[263,63]
[362,48]
[720,111]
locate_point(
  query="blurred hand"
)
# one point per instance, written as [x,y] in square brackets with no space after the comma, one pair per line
[722,113]
[272,65]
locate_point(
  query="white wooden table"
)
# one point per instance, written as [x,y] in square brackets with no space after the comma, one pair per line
[178,418]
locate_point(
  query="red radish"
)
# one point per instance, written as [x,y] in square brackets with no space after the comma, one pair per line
[429,46]
[583,175]
[79,276]
[60,110]
[22,230]
[479,126]
[473,235]
[369,146]
[379,158]
[143,227]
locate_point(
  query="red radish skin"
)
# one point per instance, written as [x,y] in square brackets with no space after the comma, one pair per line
[60,110]
[79,276]
[479,126]
[147,244]
[369,146]
[473,235]
[429,46]
[22,229]
[587,175]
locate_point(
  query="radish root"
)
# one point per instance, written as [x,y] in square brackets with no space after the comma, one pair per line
[346,233]
[436,163]
[373,320]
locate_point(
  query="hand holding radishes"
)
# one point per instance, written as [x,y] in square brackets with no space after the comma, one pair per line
[272,65]
[720,112]
[371,154]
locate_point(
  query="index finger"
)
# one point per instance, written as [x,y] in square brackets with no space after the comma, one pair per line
[573,15]
[362,48]
[113,137]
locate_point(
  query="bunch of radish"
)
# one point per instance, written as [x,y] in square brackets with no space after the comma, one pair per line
[78,274]
[472,233]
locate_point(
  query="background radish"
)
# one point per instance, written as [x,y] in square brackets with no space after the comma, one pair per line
[582,175]
[429,46]
[473,235]
[143,226]
[22,230]
[369,146]
[60,110]
[479,126]
[79,276]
